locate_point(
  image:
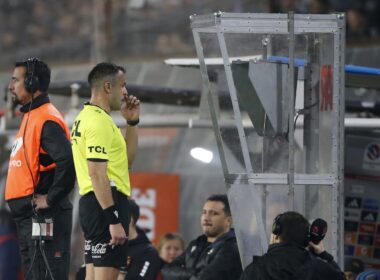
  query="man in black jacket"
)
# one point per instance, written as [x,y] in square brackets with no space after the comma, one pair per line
[143,262]
[213,255]
[40,174]
[287,257]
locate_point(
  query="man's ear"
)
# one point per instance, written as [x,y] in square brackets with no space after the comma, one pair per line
[274,239]
[107,87]
[229,220]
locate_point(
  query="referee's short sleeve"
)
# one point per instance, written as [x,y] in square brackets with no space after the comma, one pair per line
[99,134]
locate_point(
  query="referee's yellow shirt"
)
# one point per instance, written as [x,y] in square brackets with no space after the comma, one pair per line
[96,137]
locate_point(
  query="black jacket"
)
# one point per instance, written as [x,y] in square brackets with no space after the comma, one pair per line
[207,261]
[143,259]
[286,261]
[58,182]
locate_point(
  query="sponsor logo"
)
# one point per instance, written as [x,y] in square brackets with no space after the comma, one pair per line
[87,245]
[97,149]
[369,216]
[17,144]
[371,159]
[15,163]
[352,214]
[147,200]
[353,202]
[367,228]
[116,213]
[372,152]
[99,249]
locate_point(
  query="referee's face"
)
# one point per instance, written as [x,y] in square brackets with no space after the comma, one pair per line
[117,92]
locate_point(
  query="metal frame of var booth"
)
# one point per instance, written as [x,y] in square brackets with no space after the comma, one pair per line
[289,24]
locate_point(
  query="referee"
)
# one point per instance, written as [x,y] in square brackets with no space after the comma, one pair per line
[102,160]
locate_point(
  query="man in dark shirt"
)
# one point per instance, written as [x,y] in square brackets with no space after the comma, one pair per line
[40,175]
[287,257]
[213,255]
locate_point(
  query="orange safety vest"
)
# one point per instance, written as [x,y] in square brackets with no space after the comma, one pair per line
[24,166]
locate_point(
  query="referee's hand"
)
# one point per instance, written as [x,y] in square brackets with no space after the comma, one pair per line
[118,235]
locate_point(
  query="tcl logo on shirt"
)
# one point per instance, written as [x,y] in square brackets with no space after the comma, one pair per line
[97,149]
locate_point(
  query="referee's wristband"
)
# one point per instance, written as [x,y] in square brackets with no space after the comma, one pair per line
[112,215]
[133,122]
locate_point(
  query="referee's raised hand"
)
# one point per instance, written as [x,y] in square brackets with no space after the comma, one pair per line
[130,107]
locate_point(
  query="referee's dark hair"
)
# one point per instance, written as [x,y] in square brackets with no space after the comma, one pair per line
[100,72]
[121,68]
[135,211]
[223,199]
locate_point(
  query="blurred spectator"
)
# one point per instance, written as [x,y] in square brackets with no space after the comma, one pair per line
[170,246]
[143,259]
[320,7]
[357,26]
[73,31]
[10,258]
[352,268]
[285,6]
[371,11]
[213,255]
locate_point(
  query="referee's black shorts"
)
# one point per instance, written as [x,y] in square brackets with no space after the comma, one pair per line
[96,230]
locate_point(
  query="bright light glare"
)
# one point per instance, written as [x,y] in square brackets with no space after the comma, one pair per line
[202,154]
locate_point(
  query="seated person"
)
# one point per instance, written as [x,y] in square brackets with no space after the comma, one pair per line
[143,259]
[213,255]
[288,257]
[170,246]
[352,268]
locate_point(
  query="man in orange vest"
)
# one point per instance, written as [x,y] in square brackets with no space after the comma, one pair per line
[40,176]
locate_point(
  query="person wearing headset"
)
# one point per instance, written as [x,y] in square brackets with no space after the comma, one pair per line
[40,176]
[287,256]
